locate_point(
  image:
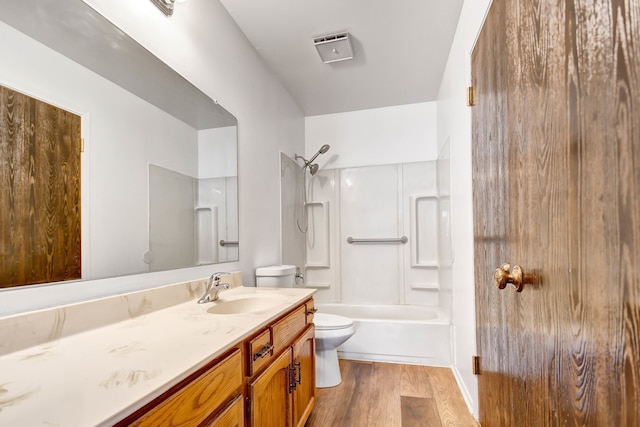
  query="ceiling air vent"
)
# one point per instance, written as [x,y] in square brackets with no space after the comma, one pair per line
[334,47]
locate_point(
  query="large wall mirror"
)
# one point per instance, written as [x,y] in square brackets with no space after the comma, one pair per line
[159,167]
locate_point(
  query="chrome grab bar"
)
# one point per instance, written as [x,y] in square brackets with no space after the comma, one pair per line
[403,240]
[228,243]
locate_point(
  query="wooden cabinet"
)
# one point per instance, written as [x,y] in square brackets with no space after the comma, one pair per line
[199,398]
[269,394]
[232,416]
[277,388]
[283,393]
[304,393]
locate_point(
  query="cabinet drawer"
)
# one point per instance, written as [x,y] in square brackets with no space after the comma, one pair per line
[259,352]
[200,398]
[311,309]
[287,328]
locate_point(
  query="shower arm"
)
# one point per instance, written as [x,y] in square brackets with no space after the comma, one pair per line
[307,163]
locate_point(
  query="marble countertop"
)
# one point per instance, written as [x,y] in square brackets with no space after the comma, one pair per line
[100,375]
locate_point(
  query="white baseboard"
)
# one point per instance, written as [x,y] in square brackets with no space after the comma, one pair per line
[464,391]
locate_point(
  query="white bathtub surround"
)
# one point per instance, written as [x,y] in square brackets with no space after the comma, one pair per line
[90,368]
[395,333]
[386,202]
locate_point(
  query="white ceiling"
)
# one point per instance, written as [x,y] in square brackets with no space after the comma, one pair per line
[400,48]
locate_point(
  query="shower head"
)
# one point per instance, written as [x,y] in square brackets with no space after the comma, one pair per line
[322,150]
[313,168]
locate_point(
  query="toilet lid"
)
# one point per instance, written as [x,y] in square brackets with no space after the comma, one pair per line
[324,321]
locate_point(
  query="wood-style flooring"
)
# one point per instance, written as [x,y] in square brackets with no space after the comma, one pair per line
[391,395]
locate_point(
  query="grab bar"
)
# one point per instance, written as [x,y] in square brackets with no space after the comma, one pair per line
[403,240]
[228,243]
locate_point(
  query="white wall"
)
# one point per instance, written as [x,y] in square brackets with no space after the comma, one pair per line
[379,136]
[203,43]
[454,125]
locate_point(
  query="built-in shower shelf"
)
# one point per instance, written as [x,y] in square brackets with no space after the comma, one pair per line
[426,286]
[423,210]
[434,266]
[317,236]
[317,285]
[206,234]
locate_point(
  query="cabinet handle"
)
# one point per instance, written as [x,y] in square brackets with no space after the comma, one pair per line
[297,371]
[312,310]
[262,352]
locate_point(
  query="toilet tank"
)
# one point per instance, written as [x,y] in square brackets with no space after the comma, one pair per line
[276,276]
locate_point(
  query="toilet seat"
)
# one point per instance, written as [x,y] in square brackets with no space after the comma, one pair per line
[328,322]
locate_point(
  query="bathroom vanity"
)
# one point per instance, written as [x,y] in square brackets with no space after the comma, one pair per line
[141,359]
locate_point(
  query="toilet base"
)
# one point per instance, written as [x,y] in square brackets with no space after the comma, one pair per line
[327,368]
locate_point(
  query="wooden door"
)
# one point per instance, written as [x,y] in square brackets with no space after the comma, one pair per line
[39,191]
[269,395]
[556,175]
[304,395]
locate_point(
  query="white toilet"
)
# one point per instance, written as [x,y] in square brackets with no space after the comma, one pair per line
[331,330]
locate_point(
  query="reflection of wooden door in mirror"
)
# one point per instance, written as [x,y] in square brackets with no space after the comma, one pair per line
[40,199]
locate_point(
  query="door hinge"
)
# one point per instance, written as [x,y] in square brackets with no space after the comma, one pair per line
[292,378]
[82,145]
[471,96]
[475,365]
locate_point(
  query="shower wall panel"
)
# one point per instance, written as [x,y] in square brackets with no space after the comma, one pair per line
[322,267]
[171,219]
[217,195]
[420,218]
[374,202]
[370,208]
[291,212]
[445,245]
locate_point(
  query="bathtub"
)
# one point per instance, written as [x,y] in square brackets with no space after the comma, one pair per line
[395,333]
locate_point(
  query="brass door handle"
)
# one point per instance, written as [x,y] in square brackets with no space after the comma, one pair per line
[505,274]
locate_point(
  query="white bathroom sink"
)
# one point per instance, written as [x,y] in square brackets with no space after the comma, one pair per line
[244,304]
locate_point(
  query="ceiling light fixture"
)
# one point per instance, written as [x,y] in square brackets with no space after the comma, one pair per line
[334,47]
[166,6]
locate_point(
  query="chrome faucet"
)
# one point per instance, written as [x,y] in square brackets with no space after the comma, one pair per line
[213,288]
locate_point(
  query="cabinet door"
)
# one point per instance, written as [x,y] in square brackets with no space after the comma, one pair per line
[269,396]
[233,416]
[304,396]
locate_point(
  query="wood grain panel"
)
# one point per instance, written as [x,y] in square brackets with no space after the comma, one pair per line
[270,400]
[490,201]
[232,416]
[40,191]
[558,83]
[419,412]
[391,395]
[304,395]
[286,329]
[194,403]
